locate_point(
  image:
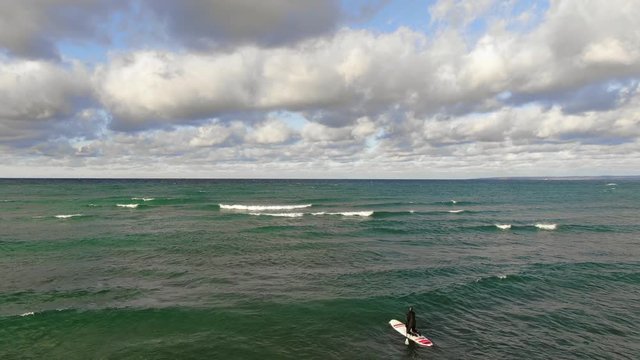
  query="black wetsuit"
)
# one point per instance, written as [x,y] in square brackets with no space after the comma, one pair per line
[411,323]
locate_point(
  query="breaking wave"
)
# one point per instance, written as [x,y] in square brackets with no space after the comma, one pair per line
[455,211]
[346,213]
[262,207]
[130,206]
[67,216]
[290,215]
[143,198]
[546,226]
[503,226]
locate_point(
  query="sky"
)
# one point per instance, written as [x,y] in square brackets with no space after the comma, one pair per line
[319,89]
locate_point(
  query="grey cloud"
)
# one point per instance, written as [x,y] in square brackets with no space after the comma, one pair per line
[207,23]
[40,99]
[32,28]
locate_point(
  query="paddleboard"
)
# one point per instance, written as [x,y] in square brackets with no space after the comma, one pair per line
[402,329]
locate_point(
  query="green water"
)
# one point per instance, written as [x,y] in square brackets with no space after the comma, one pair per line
[165,269]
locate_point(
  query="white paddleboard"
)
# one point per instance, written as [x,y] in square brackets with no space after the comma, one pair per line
[402,329]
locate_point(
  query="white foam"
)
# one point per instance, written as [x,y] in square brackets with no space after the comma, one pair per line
[454,202]
[290,215]
[503,226]
[130,206]
[612,184]
[262,207]
[347,213]
[546,226]
[143,199]
[67,216]
[502,276]
[30,313]
[456,211]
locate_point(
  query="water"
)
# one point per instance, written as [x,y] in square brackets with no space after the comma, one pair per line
[316,269]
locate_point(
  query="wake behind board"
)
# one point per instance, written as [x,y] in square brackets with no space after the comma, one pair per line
[402,329]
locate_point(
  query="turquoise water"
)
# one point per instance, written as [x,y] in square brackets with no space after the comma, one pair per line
[166,269]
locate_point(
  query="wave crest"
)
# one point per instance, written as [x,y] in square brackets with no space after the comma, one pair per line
[67,216]
[262,207]
[546,226]
[130,206]
[346,213]
[290,215]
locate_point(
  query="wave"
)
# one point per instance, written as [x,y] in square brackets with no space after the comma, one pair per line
[290,215]
[386,214]
[130,206]
[453,202]
[455,211]
[67,216]
[346,213]
[143,198]
[30,313]
[262,207]
[542,226]
[503,226]
[611,184]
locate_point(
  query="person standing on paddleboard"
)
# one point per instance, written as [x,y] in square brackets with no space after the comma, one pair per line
[411,322]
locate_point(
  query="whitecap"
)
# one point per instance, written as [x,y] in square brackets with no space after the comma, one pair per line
[262,207]
[612,184]
[143,199]
[454,202]
[67,216]
[456,211]
[30,313]
[546,226]
[352,213]
[290,215]
[130,206]
[502,277]
[503,226]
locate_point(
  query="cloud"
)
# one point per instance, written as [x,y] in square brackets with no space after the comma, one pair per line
[32,28]
[210,23]
[271,131]
[39,96]
[400,102]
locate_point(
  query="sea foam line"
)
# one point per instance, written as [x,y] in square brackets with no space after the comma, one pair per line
[67,216]
[262,207]
[290,215]
[130,206]
[143,198]
[546,226]
[346,213]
